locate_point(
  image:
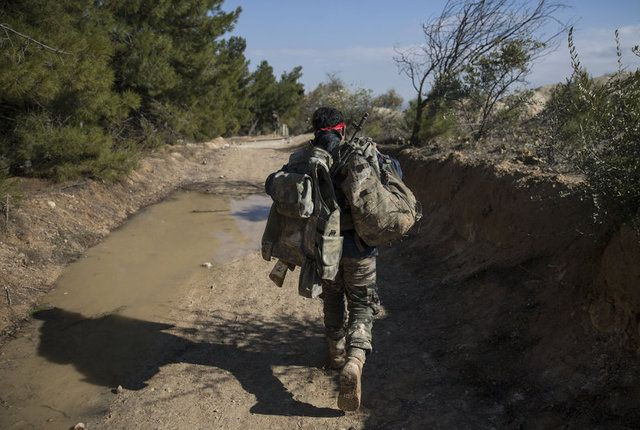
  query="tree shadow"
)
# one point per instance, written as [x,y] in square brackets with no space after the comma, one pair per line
[114,350]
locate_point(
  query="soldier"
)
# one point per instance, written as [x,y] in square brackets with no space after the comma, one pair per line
[348,335]
[333,202]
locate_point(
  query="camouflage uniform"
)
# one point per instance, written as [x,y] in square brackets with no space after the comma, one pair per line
[357,281]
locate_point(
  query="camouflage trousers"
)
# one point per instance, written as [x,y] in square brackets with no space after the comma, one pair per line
[355,282]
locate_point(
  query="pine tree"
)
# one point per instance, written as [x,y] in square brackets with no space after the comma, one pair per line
[170,53]
[84,85]
[269,98]
[228,97]
[290,96]
[263,91]
[56,102]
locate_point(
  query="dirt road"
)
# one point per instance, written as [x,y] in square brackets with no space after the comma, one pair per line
[242,353]
[220,348]
[224,348]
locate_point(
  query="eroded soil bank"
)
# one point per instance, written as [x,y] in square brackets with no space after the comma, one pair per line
[540,304]
[482,216]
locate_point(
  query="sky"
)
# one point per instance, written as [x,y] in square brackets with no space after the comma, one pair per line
[356,39]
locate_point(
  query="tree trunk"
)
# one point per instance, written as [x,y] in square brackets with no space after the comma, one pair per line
[254,124]
[417,123]
[479,133]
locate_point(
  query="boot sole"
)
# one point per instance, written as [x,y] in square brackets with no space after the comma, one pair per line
[349,396]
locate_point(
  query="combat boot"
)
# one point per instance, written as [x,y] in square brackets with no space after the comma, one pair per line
[351,382]
[337,353]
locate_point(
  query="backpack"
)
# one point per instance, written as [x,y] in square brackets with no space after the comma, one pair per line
[383,208]
[303,227]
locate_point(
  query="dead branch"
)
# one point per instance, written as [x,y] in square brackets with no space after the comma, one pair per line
[203,211]
[6,28]
[73,185]
[465,31]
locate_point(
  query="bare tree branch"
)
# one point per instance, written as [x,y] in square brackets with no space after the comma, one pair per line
[7,29]
[467,30]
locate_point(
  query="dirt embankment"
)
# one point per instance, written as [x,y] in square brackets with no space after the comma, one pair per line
[482,217]
[552,297]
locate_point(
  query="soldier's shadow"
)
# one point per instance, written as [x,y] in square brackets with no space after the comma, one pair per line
[114,350]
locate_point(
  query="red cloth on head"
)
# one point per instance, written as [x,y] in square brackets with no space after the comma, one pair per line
[338,126]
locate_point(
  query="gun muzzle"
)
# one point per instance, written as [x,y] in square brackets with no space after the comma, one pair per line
[279,272]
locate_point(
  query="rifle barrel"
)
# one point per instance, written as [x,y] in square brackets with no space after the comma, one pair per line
[350,149]
[358,126]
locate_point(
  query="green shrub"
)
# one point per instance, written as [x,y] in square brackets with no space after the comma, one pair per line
[386,121]
[386,125]
[440,122]
[45,149]
[595,128]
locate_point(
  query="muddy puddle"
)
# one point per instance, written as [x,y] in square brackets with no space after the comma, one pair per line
[63,367]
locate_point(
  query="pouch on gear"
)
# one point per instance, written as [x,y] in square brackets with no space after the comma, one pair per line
[283,237]
[329,247]
[314,241]
[292,194]
[309,283]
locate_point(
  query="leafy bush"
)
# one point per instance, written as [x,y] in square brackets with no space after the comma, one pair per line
[595,128]
[62,152]
[491,94]
[386,125]
[437,122]
[389,100]
[352,102]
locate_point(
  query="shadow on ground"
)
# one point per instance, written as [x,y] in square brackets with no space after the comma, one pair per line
[471,354]
[254,213]
[115,350]
[478,353]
